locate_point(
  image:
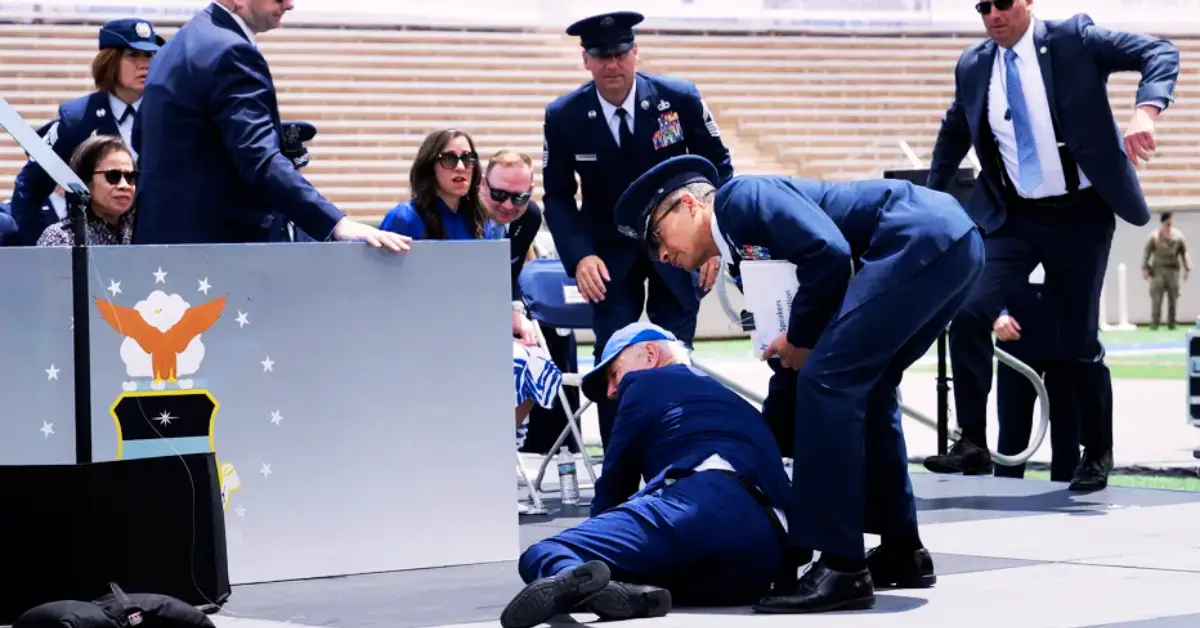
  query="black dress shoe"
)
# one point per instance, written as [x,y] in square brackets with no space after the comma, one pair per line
[964,457]
[900,569]
[542,599]
[1092,472]
[822,589]
[621,600]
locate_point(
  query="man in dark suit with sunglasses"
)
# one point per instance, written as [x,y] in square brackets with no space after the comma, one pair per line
[1032,100]
[609,131]
[208,137]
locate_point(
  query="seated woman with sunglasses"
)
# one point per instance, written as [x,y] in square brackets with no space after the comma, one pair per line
[444,181]
[105,165]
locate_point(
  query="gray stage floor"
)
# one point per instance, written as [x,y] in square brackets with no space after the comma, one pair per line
[1008,553]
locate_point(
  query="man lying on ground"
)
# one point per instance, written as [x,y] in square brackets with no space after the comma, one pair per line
[709,526]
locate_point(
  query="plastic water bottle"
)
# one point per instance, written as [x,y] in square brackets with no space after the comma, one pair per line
[568,482]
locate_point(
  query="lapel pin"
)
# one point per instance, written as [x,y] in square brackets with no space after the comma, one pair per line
[663,105]
[645,105]
[100,113]
[1042,50]
[592,113]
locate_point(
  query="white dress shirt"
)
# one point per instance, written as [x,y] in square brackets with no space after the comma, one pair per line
[117,108]
[1037,104]
[610,113]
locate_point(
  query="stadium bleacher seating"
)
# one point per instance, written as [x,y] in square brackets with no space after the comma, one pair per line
[834,107]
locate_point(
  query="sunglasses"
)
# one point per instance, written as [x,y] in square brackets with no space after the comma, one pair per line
[518,198]
[985,8]
[449,159]
[113,177]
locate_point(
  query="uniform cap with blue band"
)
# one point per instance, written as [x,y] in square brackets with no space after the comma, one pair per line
[595,383]
[130,32]
[607,34]
[634,209]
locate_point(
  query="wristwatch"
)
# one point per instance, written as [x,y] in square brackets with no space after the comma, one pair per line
[518,307]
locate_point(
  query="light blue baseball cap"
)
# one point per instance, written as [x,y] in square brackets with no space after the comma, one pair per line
[595,383]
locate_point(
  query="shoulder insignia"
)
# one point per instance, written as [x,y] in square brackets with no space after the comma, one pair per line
[710,122]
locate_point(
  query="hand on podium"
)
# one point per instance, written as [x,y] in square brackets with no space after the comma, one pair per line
[348,230]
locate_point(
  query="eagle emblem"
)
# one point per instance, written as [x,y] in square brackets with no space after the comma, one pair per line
[162,335]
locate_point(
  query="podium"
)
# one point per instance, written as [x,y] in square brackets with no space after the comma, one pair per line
[151,524]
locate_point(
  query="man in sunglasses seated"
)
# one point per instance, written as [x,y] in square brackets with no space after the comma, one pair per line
[708,527]
[506,192]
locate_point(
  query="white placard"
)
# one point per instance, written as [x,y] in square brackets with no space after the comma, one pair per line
[768,287]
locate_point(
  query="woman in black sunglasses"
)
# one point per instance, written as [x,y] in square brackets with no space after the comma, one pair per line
[106,166]
[444,183]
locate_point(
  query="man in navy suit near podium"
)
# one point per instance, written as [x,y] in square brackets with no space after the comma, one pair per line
[609,131]
[1033,101]
[208,137]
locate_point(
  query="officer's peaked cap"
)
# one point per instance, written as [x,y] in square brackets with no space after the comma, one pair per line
[130,32]
[296,133]
[607,34]
[595,383]
[633,209]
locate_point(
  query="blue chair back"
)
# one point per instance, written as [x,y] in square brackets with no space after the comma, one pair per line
[545,284]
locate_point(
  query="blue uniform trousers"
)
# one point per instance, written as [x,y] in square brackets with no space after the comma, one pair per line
[623,304]
[1072,242]
[703,538]
[1015,397]
[850,461]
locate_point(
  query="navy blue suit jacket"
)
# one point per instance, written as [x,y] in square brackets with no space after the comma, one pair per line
[675,417]
[886,230]
[207,136]
[578,140]
[77,120]
[1078,59]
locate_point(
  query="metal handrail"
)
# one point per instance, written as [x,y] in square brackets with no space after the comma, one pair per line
[1003,356]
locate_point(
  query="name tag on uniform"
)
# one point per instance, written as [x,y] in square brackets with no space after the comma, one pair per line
[669,130]
[585,158]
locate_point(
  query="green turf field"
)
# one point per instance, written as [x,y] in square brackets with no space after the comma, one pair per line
[1149,365]
[1168,483]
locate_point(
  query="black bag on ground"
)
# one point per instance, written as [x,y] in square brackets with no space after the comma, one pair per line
[116,610]
[151,524]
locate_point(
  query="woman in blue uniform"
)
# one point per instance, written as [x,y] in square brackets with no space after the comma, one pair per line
[119,73]
[446,205]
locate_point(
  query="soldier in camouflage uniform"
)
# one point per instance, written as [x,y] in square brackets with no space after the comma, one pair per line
[1165,254]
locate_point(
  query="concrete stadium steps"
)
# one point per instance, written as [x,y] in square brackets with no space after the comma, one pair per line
[823,106]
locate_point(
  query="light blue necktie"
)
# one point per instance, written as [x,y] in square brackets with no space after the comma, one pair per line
[1027,156]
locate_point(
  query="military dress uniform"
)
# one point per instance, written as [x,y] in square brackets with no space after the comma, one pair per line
[914,255]
[1165,254]
[96,113]
[609,146]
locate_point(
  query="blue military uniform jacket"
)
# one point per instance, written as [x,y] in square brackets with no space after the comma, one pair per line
[883,231]
[676,417]
[670,119]
[77,120]
[1076,58]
